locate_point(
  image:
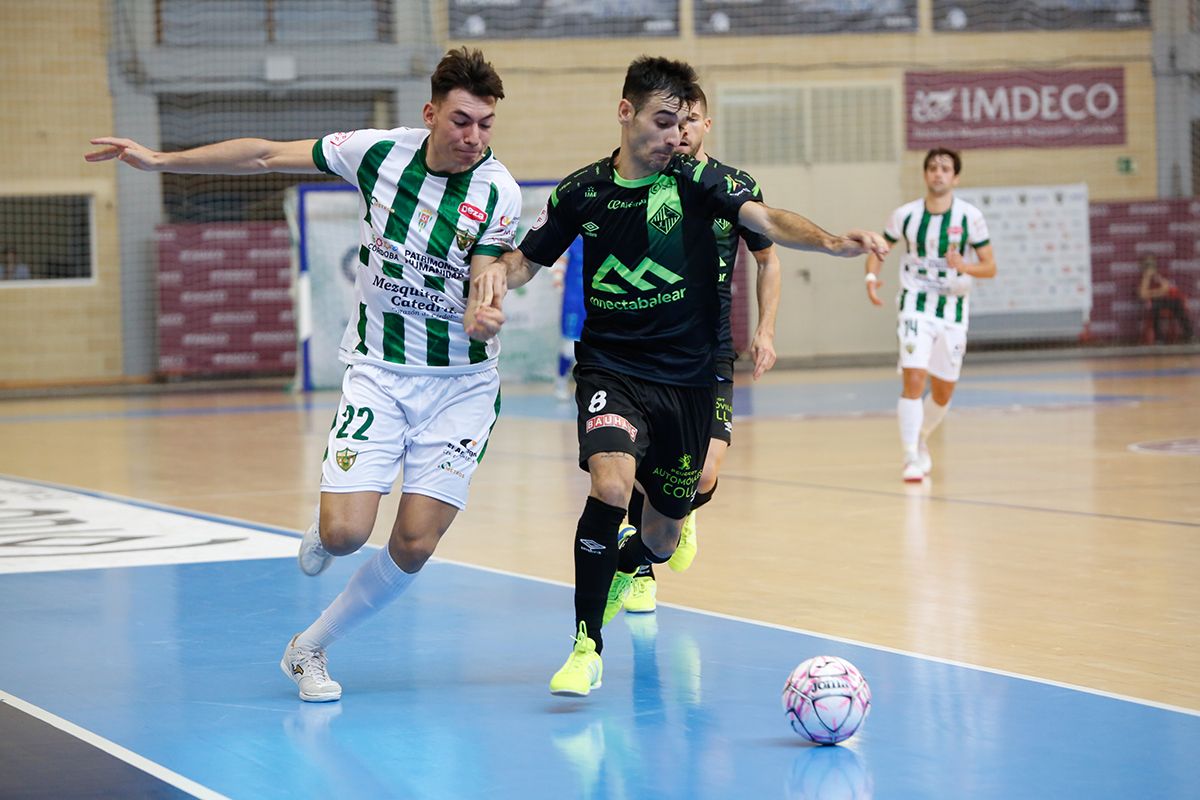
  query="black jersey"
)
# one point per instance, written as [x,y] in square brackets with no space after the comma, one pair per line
[650,264]
[727,232]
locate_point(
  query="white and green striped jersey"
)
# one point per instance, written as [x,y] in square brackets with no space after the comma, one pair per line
[928,285]
[419,231]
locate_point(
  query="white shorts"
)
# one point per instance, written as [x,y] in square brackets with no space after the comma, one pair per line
[932,345]
[434,427]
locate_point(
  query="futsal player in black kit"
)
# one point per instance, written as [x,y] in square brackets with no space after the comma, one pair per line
[646,359]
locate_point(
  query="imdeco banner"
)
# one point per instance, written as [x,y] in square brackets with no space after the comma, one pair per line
[976,110]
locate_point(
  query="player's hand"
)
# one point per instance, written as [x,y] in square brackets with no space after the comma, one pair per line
[483,322]
[873,288]
[126,150]
[857,243]
[762,350]
[955,259]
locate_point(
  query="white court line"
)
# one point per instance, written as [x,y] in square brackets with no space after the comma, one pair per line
[112,748]
[868,645]
[760,623]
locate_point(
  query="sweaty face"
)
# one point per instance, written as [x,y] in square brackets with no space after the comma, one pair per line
[653,132]
[939,175]
[460,127]
[693,130]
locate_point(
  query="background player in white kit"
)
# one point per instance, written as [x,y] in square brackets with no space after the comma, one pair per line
[418,392]
[946,246]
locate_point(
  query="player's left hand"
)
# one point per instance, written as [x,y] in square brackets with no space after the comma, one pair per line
[762,350]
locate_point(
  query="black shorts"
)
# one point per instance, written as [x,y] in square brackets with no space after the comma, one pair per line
[722,424]
[664,427]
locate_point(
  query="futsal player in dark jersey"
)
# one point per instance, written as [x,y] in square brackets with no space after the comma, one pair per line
[646,359]
[729,233]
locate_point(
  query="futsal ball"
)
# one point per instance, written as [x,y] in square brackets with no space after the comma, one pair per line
[826,699]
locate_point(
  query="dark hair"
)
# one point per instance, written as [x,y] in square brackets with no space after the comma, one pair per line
[944,151]
[701,100]
[465,69]
[651,75]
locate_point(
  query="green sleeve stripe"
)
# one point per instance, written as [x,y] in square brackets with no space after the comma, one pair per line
[318,156]
[889,237]
[488,250]
[984,243]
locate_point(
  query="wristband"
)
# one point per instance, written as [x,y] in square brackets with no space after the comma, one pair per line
[871,277]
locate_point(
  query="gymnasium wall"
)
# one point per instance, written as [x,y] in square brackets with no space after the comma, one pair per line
[54,81]
[559,114]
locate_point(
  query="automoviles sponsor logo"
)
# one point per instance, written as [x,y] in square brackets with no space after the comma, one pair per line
[611,421]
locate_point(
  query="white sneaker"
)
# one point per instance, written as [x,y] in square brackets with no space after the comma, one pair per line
[313,558]
[924,459]
[912,470]
[309,669]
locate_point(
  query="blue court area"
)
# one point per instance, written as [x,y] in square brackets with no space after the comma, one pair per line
[445,697]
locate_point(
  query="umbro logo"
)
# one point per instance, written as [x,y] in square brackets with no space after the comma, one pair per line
[590,228]
[592,546]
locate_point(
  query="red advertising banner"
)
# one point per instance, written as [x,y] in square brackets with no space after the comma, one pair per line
[1123,234]
[224,300]
[977,110]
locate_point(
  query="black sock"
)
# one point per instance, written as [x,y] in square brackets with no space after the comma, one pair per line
[636,501]
[634,554]
[595,563]
[703,497]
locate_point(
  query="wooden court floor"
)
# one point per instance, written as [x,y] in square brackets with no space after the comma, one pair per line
[1059,536]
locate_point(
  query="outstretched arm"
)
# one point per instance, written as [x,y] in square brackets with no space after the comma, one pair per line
[231,157]
[767,287]
[799,233]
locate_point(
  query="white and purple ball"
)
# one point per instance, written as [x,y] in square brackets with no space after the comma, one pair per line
[826,699]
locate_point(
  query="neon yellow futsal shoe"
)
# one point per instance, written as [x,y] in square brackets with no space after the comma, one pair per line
[643,595]
[684,554]
[622,583]
[583,669]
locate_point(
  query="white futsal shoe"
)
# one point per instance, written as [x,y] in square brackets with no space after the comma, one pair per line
[313,557]
[912,469]
[924,460]
[309,670]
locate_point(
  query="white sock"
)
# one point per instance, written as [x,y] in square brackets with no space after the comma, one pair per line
[934,414]
[376,583]
[910,413]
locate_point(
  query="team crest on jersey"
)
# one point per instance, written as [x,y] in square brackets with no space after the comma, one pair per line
[345,458]
[909,347]
[665,218]
[423,219]
[465,239]
[589,191]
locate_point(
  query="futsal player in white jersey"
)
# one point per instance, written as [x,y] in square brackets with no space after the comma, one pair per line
[946,246]
[418,393]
